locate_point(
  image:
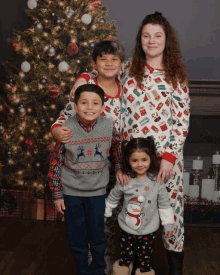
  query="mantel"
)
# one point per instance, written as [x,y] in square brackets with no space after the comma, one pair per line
[205,97]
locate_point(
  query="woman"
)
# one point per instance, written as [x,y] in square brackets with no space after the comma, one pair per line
[156,103]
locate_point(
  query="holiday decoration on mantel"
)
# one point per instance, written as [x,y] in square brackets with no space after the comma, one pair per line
[49,55]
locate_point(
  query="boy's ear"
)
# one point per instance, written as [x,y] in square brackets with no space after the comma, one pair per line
[75,107]
[103,107]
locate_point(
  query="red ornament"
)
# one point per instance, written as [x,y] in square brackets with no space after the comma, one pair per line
[29,143]
[72,49]
[111,38]
[54,91]
[96,3]
[16,45]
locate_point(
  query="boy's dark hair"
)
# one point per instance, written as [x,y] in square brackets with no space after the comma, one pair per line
[89,88]
[143,145]
[108,47]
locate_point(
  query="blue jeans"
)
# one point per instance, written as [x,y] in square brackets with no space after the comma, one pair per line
[84,220]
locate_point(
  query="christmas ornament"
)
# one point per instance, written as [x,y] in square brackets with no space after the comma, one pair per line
[92,45]
[16,45]
[111,38]
[9,153]
[96,3]
[57,21]
[63,66]
[29,143]
[70,13]
[2,129]
[21,111]
[43,81]
[51,51]
[42,121]
[38,25]
[86,18]
[54,91]
[25,66]
[32,4]
[102,20]
[72,49]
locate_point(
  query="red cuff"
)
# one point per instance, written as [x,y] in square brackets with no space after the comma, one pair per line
[169,157]
[85,76]
[54,126]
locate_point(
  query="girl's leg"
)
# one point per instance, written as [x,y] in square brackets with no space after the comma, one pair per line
[95,208]
[127,248]
[76,232]
[145,245]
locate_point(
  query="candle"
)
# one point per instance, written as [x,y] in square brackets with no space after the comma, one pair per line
[198,164]
[208,188]
[185,183]
[194,191]
[216,159]
[217,196]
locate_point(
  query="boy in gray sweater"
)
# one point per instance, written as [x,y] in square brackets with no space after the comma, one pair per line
[79,190]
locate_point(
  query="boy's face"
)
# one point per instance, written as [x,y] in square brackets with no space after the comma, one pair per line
[89,106]
[108,65]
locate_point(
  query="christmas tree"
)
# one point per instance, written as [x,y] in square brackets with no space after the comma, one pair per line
[48,56]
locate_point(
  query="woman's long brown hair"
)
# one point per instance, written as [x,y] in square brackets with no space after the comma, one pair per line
[175,71]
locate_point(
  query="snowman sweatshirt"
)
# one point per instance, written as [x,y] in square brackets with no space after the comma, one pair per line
[145,203]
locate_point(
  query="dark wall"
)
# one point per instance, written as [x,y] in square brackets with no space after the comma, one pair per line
[197,23]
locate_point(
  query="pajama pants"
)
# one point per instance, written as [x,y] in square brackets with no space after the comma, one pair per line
[174,188]
[84,220]
[141,245]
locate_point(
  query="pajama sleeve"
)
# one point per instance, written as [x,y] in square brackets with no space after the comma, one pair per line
[180,105]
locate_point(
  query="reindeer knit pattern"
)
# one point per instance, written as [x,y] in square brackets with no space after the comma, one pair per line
[85,171]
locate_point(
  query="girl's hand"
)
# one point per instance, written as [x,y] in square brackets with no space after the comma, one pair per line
[168,234]
[166,171]
[60,207]
[79,82]
[62,134]
[123,179]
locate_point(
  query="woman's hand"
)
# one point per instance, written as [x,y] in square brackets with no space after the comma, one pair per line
[166,171]
[79,82]
[168,234]
[121,178]
[62,134]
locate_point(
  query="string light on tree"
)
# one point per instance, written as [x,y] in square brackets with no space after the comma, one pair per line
[38,26]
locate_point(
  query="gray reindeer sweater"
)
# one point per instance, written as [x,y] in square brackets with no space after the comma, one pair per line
[145,203]
[85,171]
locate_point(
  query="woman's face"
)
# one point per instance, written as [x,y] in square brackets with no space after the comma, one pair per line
[153,41]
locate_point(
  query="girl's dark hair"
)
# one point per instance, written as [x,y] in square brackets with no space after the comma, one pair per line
[143,145]
[175,71]
[108,47]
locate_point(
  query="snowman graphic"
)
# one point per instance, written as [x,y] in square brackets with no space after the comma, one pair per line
[133,212]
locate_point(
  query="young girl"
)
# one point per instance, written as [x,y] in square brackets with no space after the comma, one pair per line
[145,200]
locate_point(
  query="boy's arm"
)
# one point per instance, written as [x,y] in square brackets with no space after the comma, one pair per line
[62,134]
[56,162]
[117,140]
